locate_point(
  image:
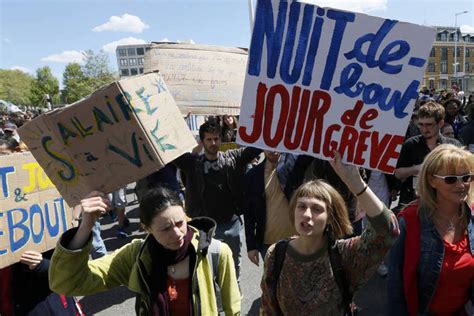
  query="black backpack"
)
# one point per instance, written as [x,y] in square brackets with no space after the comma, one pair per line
[336,266]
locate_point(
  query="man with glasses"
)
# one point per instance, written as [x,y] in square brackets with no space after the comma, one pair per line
[430,120]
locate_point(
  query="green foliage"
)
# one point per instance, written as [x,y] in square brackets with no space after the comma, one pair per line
[96,68]
[15,86]
[45,83]
[80,81]
[76,84]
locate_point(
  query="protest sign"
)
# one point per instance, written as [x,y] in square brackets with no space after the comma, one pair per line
[203,79]
[32,213]
[320,79]
[119,134]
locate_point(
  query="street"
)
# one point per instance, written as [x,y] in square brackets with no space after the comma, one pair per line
[371,299]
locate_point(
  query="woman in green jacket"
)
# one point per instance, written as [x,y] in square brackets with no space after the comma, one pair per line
[178,269]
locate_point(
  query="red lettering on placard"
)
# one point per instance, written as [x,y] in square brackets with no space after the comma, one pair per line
[269,109]
[320,103]
[390,153]
[329,145]
[377,148]
[257,117]
[302,109]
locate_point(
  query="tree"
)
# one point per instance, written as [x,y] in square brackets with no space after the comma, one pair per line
[96,68]
[15,86]
[76,84]
[44,84]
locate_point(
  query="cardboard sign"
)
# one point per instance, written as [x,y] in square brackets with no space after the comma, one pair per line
[320,79]
[116,136]
[32,213]
[203,79]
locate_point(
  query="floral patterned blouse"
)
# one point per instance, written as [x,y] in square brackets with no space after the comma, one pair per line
[306,285]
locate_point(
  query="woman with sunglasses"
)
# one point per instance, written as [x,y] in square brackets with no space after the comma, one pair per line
[431,268]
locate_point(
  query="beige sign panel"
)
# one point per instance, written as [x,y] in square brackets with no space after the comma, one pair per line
[116,136]
[32,213]
[203,79]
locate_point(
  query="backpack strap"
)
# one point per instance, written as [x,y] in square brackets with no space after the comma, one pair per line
[280,252]
[213,253]
[339,275]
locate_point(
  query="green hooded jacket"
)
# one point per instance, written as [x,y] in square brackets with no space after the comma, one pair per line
[71,272]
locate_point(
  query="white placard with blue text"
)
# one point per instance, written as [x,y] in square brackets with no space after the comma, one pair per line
[320,79]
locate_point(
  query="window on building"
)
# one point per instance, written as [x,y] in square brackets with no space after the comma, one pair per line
[132,61]
[122,52]
[458,52]
[431,84]
[123,62]
[443,83]
[140,51]
[124,73]
[131,51]
[466,67]
[458,67]
[140,70]
[134,71]
[468,52]
[431,67]
[444,67]
[140,60]
[433,52]
[444,53]
[443,37]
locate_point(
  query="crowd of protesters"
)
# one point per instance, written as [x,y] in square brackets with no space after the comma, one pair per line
[321,227]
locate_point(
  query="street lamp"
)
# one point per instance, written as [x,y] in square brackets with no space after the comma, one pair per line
[456,45]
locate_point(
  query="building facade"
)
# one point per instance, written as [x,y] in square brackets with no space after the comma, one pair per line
[440,72]
[130,59]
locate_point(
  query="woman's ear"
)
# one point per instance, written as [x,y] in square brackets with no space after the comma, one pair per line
[145,228]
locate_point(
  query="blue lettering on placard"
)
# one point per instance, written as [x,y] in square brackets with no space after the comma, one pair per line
[2,251]
[18,228]
[72,173]
[36,209]
[286,76]
[392,52]
[60,201]
[416,62]
[313,48]
[263,28]
[375,93]
[3,175]
[341,19]
[52,230]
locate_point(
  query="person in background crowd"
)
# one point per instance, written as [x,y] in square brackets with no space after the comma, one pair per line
[431,268]
[229,128]
[9,130]
[304,277]
[447,130]
[171,271]
[469,106]
[415,149]
[165,177]
[118,199]
[25,289]
[453,116]
[8,146]
[266,209]
[214,185]
[466,134]
[413,129]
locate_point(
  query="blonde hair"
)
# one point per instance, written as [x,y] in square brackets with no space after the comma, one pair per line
[446,158]
[338,217]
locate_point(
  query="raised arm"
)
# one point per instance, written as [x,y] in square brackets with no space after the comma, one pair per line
[352,178]
[91,207]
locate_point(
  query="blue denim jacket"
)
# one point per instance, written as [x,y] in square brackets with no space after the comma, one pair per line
[429,266]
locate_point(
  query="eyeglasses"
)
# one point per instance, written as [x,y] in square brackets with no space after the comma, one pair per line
[465,178]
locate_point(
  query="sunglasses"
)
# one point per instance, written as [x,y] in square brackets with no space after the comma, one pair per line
[465,178]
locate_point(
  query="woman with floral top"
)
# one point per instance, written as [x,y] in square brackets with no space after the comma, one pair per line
[306,283]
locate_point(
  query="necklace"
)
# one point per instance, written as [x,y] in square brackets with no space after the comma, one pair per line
[172,292]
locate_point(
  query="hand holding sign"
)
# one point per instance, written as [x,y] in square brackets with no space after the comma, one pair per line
[31,258]
[94,205]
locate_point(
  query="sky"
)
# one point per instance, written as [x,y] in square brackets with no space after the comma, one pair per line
[37,33]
